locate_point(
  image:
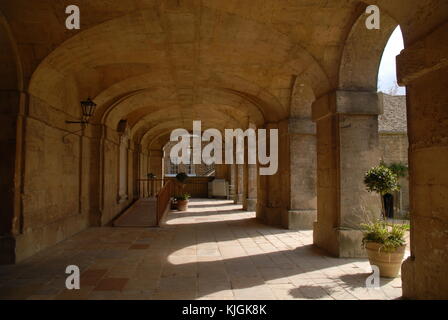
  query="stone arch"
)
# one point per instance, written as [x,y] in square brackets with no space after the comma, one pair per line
[302,98]
[362,54]
[350,113]
[226,119]
[147,101]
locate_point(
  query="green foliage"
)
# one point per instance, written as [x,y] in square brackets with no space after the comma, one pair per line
[398,168]
[389,236]
[181,177]
[184,196]
[381,180]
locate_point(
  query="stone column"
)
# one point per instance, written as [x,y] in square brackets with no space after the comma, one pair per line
[273,194]
[347,146]
[233,183]
[251,200]
[240,184]
[303,202]
[245,185]
[251,173]
[156,163]
[423,68]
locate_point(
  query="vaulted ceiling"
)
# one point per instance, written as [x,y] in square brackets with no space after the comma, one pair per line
[162,64]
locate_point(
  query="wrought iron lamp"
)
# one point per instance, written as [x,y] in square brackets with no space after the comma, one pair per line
[88,109]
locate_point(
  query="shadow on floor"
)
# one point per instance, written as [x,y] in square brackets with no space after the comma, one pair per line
[187,261]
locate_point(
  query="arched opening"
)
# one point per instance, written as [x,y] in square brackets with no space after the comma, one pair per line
[308,69]
[387,74]
[393,138]
[348,142]
[191,169]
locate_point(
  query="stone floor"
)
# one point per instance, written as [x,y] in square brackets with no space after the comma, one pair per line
[215,251]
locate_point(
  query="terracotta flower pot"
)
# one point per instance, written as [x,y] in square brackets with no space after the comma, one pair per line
[182,205]
[389,263]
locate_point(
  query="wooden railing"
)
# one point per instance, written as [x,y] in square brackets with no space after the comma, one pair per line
[210,172]
[197,187]
[163,200]
[164,189]
[148,188]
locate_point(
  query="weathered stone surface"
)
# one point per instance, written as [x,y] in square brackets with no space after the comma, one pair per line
[347,148]
[160,65]
[423,273]
[301,219]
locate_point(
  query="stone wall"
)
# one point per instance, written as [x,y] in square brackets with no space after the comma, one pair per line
[51,195]
[111,203]
[62,192]
[394,142]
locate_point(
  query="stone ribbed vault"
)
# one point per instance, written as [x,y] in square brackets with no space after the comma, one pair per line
[306,67]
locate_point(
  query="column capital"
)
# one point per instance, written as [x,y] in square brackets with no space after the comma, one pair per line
[347,102]
[424,56]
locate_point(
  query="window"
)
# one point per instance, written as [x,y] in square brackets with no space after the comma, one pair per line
[174,168]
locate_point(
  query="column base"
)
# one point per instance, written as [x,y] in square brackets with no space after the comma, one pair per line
[421,280]
[251,204]
[301,219]
[407,278]
[274,217]
[341,243]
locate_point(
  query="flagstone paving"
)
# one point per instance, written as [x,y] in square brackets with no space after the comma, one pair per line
[213,251]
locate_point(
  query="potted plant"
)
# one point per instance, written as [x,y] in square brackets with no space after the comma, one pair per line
[181,177]
[401,170]
[385,245]
[182,201]
[381,180]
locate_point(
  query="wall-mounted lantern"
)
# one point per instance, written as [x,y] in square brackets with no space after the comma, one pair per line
[88,109]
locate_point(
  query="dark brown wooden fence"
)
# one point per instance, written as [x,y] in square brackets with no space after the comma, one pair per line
[164,200]
[197,187]
[164,189]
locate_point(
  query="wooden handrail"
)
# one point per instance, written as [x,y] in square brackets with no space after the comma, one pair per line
[163,200]
[197,187]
